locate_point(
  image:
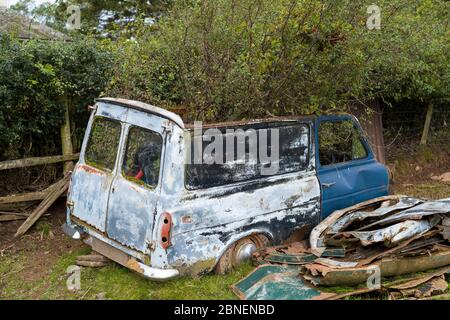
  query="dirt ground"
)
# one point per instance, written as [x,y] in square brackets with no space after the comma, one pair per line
[43,245]
[28,263]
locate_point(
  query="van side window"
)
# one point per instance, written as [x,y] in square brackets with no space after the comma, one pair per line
[340,141]
[293,157]
[143,157]
[103,142]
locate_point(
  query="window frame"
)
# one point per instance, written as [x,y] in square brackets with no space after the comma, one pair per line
[309,127]
[357,127]
[89,163]
[124,157]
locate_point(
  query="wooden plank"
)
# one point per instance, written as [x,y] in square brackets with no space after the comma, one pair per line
[93,258]
[11,217]
[12,207]
[23,214]
[60,188]
[39,161]
[26,197]
[91,264]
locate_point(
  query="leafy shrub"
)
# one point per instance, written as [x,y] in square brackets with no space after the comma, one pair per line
[36,78]
[227,60]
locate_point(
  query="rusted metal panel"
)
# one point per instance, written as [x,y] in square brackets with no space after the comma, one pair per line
[218,221]
[316,237]
[298,259]
[130,213]
[89,190]
[327,276]
[359,216]
[426,209]
[389,235]
[403,235]
[415,279]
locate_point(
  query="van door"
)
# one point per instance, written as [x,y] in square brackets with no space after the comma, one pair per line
[347,169]
[93,175]
[136,186]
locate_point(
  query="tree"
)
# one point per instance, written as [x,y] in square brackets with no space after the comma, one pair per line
[106,18]
[45,13]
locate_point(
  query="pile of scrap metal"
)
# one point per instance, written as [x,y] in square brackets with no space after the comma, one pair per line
[395,245]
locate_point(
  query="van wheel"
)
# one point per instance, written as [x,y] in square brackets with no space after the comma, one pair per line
[240,251]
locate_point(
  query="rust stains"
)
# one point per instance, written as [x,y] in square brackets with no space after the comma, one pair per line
[132,264]
[90,169]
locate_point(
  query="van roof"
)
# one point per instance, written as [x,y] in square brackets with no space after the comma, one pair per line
[146,108]
[273,120]
[177,119]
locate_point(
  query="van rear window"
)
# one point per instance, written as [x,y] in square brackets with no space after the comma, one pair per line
[293,156]
[143,157]
[103,142]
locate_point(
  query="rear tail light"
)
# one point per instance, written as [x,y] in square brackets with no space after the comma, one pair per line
[166,228]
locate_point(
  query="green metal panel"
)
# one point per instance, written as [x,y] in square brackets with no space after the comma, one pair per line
[298,259]
[271,282]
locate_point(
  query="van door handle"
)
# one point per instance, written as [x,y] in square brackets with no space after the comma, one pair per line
[328,185]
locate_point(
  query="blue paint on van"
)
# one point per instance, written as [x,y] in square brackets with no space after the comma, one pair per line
[348,183]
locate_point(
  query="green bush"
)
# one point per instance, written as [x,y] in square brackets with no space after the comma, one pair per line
[36,77]
[227,60]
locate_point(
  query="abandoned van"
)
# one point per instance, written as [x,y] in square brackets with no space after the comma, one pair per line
[166,199]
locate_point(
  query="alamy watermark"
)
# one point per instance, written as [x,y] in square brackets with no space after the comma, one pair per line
[74,19]
[74,280]
[374,20]
[235,146]
[374,279]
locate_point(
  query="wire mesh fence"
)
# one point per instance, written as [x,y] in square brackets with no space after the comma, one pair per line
[403,127]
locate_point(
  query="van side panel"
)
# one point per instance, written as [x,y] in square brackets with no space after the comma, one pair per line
[207,222]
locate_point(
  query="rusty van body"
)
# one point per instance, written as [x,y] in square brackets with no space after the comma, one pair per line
[135,197]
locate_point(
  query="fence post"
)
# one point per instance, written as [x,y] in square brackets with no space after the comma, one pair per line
[66,136]
[426,128]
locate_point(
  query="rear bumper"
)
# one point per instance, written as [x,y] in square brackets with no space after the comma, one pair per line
[120,257]
[151,273]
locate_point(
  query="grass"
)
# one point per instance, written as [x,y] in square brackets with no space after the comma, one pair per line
[429,190]
[113,282]
[116,282]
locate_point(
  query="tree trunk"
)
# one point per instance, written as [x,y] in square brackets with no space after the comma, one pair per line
[426,128]
[66,136]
